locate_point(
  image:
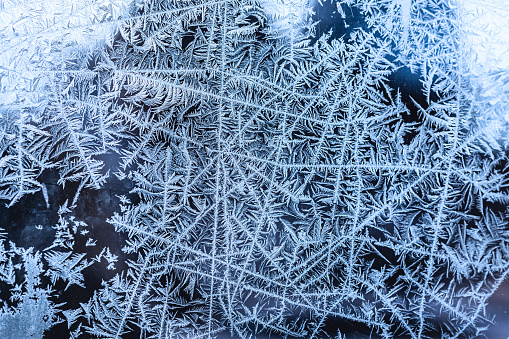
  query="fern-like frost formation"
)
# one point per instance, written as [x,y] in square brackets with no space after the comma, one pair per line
[280,181]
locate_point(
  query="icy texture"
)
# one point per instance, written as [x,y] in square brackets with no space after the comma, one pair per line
[283,185]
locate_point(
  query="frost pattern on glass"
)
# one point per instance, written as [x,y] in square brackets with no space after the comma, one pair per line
[282,185]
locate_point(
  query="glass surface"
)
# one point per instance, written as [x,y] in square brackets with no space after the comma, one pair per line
[254,169]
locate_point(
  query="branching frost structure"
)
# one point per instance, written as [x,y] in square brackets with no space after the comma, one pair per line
[283,184]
